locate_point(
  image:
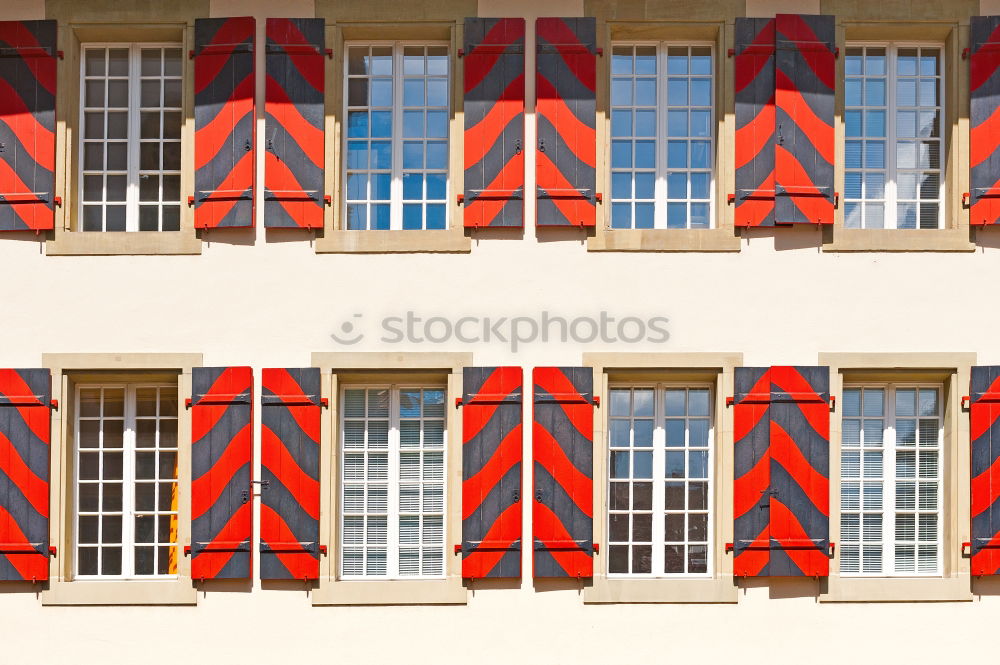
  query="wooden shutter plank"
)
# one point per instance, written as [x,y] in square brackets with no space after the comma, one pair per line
[984,419]
[754,78]
[27,125]
[294,118]
[221,455]
[751,471]
[984,120]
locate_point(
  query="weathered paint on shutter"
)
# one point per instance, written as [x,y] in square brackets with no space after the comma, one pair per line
[221,455]
[755,121]
[984,412]
[566,109]
[781,422]
[805,76]
[223,122]
[984,120]
[493,85]
[289,452]
[25,402]
[294,117]
[27,125]
[491,471]
[563,456]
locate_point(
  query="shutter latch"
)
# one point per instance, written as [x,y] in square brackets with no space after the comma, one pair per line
[264,484]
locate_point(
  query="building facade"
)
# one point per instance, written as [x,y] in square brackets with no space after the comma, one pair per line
[626,415]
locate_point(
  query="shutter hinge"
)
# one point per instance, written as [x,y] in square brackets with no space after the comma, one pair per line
[730,199]
[966,402]
[597,548]
[60,55]
[833,549]
[599,197]
[730,401]
[600,52]
[322,550]
[965,53]
[729,547]
[458,402]
[329,54]
[730,52]
[836,200]
[965,199]
[597,400]
[187,550]
[52,550]
[461,52]
[327,199]
[833,403]
[58,201]
[54,404]
[966,550]
[458,549]
[460,198]
[191,55]
[187,403]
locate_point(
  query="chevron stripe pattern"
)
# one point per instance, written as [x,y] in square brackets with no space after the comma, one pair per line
[781,487]
[27,125]
[25,398]
[563,456]
[289,449]
[566,109]
[805,75]
[293,117]
[221,454]
[223,122]
[984,120]
[754,77]
[494,121]
[984,412]
[491,471]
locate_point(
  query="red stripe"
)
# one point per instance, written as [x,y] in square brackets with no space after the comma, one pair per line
[791,536]
[502,381]
[38,141]
[231,381]
[209,213]
[275,532]
[750,562]
[34,489]
[213,137]
[478,63]
[43,68]
[984,61]
[555,382]
[985,210]
[278,177]
[745,415]
[29,564]
[748,65]
[789,380]
[502,534]
[567,43]
[984,139]
[206,565]
[577,136]
[206,489]
[482,136]
[981,418]
[752,137]
[819,57]
[16,390]
[281,384]
[548,176]
[814,484]
[748,488]
[818,209]
[276,459]
[550,455]
[309,65]
[208,66]
[306,136]
[477,487]
[36,216]
[752,212]
[575,563]
[985,488]
[481,212]
[819,133]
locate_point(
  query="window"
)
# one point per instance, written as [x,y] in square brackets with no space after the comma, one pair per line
[659,520]
[397,136]
[126,481]
[130,140]
[892,155]
[661,136]
[393,482]
[890,490]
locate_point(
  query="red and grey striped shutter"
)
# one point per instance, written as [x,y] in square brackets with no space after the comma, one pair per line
[27,125]
[289,451]
[25,401]
[984,412]
[805,75]
[223,122]
[566,59]
[221,455]
[294,117]
[563,455]
[494,121]
[984,121]
[755,125]
[782,477]
[491,471]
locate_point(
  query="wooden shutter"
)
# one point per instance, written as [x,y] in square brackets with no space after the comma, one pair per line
[566,59]
[221,455]
[782,477]
[491,471]
[984,410]
[494,121]
[289,451]
[984,120]
[25,402]
[27,125]
[223,122]
[294,118]
[563,455]
[785,80]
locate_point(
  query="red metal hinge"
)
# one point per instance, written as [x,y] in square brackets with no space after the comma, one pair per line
[329,54]
[52,550]
[460,198]
[599,197]
[325,403]
[730,401]
[966,401]
[58,201]
[966,546]
[54,404]
[190,55]
[965,53]
[836,200]
[833,403]
[458,402]
[731,52]
[729,547]
[600,52]
[730,199]
[461,52]
[597,400]
[322,550]
[833,549]
[328,200]
[190,201]
[966,196]
[458,549]
[836,52]
[597,548]
[60,55]
[187,550]
[187,403]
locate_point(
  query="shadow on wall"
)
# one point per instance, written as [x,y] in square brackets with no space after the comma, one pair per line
[28,236]
[800,236]
[276,235]
[785,587]
[577,234]
[986,236]
[245,237]
[225,586]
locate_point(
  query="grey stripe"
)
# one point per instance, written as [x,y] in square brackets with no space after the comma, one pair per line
[32,524]
[278,498]
[206,528]
[33,451]
[498,499]
[206,451]
[578,525]
[300,446]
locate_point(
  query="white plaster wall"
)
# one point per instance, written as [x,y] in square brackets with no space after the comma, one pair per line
[271,304]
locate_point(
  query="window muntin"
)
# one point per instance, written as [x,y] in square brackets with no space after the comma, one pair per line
[130,145]
[893,96]
[393,482]
[661,136]
[660,480]
[126,481]
[397,114]
[890,491]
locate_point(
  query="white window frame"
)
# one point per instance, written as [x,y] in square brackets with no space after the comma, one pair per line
[134,140]
[659,478]
[128,511]
[889,480]
[660,201]
[891,201]
[393,494]
[396,185]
